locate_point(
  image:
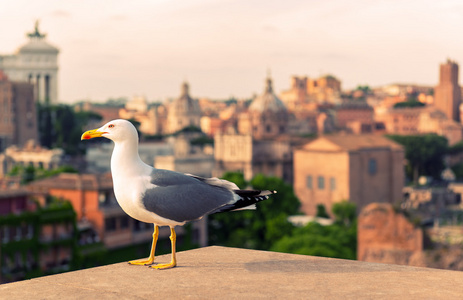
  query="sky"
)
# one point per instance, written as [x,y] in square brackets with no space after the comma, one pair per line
[225,48]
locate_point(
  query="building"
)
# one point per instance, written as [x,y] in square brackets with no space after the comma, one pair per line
[183,112]
[36,63]
[35,240]
[18,117]
[357,116]
[447,94]
[387,236]
[30,155]
[420,120]
[358,168]
[267,116]
[304,90]
[187,158]
[243,153]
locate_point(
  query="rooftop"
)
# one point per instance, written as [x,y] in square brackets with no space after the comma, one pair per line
[218,272]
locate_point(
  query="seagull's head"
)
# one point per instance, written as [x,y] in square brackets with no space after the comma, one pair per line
[115,130]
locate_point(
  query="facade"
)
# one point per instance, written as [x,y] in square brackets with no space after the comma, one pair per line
[36,63]
[243,153]
[34,241]
[304,90]
[183,112]
[420,120]
[18,117]
[447,94]
[357,116]
[358,168]
[30,154]
[187,158]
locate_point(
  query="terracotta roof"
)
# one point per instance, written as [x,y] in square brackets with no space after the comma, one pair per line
[357,142]
[17,192]
[75,181]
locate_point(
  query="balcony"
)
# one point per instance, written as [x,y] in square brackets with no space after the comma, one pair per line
[219,272]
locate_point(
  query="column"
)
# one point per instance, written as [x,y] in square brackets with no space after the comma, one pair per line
[42,88]
[37,88]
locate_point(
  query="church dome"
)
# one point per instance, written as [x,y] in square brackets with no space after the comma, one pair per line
[268,101]
[185,104]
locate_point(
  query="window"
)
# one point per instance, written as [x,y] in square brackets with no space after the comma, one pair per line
[372,166]
[110,224]
[124,222]
[308,182]
[321,182]
[332,183]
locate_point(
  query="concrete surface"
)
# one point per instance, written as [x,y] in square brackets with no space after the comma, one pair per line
[219,272]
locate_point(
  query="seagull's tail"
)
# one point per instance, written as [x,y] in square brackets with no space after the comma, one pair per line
[246,199]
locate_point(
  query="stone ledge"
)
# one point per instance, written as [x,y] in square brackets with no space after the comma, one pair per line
[219,272]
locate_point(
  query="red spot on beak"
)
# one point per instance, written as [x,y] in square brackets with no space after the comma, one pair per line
[87,137]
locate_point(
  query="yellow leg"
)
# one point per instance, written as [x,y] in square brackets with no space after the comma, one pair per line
[173,263]
[150,259]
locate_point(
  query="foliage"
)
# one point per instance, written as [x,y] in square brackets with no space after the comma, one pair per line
[458,171]
[31,173]
[456,148]
[424,154]
[337,240]
[61,127]
[345,213]
[237,178]
[364,88]
[188,129]
[321,211]
[260,228]
[57,211]
[231,101]
[202,140]
[409,103]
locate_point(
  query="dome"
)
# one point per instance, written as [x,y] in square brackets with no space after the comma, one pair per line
[268,101]
[185,104]
[38,45]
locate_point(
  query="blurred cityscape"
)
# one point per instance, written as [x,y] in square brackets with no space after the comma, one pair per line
[372,173]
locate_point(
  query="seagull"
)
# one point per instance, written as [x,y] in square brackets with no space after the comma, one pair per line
[163,197]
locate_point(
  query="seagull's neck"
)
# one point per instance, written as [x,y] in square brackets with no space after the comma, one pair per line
[125,159]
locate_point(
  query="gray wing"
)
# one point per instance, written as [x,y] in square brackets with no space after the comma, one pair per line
[182,198]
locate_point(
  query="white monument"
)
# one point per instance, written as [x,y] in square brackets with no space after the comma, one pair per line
[36,62]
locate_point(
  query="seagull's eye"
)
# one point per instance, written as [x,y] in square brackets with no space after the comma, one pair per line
[111,126]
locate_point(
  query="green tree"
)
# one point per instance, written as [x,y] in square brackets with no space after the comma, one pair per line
[337,240]
[61,127]
[321,211]
[31,173]
[409,103]
[260,228]
[424,154]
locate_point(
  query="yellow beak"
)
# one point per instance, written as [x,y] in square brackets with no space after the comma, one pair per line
[90,134]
